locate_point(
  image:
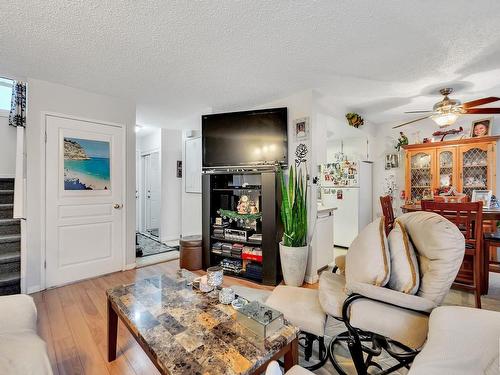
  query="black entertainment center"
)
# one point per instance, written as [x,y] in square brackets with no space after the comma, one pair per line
[242,153]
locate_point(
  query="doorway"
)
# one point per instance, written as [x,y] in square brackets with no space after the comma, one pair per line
[84,194]
[156,237]
[151,194]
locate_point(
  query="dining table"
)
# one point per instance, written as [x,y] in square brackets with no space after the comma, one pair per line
[489,214]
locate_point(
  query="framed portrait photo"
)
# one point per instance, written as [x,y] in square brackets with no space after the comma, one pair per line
[481,128]
[482,196]
[301,129]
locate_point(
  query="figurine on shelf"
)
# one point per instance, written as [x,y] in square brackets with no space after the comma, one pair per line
[253,208]
[402,141]
[243,205]
[444,133]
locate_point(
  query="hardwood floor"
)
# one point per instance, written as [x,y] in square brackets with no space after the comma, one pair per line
[72,321]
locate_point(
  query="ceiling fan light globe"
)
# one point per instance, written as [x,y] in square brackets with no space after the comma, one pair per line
[445,119]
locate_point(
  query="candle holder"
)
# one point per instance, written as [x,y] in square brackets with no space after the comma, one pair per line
[215,277]
[226,296]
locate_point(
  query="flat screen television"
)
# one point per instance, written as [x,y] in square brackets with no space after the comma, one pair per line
[250,138]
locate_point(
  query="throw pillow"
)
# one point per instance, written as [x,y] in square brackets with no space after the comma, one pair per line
[404,264]
[368,259]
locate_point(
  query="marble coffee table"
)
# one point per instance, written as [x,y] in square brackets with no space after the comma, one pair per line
[184,331]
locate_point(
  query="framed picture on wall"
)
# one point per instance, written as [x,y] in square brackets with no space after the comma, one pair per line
[482,196]
[391,161]
[481,128]
[301,129]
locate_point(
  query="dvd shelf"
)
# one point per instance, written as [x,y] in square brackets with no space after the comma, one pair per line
[240,225]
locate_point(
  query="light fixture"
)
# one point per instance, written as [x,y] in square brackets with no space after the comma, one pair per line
[447,110]
[445,119]
[138,128]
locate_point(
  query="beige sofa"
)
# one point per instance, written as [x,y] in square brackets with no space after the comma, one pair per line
[461,341]
[22,351]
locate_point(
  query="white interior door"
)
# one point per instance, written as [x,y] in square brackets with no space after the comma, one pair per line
[84,195]
[152,192]
[137,191]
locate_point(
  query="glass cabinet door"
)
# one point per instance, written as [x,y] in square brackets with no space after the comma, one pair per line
[474,174]
[420,175]
[446,169]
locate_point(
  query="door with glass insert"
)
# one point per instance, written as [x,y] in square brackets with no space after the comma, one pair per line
[421,175]
[447,168]
[477,168]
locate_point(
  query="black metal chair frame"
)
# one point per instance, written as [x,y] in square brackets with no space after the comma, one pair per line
[306,341]
[356,340]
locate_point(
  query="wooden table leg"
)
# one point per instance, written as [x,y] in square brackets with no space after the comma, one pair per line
[292,356]
[112,332]
[486,267]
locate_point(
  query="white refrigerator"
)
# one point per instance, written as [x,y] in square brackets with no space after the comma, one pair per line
[347,185]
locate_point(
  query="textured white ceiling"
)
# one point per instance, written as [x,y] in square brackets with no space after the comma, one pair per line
[177,58]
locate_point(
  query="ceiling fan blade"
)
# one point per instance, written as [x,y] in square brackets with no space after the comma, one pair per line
[475,103]
[409,122]
[473,111]
[418,111]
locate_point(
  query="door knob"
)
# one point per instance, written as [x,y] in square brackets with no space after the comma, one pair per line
[116,206]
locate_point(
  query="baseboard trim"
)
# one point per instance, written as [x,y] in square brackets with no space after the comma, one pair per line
[34,289]
[128,267]
[311,279]
[170,238]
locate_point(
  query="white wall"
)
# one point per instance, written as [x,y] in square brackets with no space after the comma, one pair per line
[8,148]
[191,202]
[46,96]
[151,141]
[171,190]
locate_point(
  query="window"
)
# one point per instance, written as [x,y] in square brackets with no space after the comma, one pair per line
[5,94]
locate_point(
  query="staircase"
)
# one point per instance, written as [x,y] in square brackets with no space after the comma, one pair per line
[10,241]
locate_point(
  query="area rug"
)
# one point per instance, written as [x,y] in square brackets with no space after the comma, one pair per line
[152,247]
[333,328]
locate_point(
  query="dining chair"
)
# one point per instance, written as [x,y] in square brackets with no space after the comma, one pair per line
[387,212]
[468,217]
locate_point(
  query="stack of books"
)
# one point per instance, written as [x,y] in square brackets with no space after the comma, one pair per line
[217,248]
[252,253]
[226,249]
[254,271]
[218,229]
[231,265]
[256,237]
[237,250]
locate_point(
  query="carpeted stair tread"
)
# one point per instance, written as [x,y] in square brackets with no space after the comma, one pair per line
[10,238]
[11,278]
[9,221]
[6,211]
[6,196]
[10,257]
[6,183]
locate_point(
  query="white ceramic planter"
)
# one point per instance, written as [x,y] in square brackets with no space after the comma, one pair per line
[293,264]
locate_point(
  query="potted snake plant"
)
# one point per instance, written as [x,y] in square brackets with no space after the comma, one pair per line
[293,247]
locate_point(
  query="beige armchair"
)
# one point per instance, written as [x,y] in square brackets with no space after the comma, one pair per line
[379,319]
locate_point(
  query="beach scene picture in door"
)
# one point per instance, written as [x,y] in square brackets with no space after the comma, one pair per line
[86,164]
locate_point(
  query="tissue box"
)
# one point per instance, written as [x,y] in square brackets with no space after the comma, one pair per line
[260,319]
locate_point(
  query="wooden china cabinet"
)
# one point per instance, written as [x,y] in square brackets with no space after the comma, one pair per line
[466,164]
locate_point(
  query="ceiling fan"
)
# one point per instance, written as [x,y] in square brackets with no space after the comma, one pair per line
[447,111]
